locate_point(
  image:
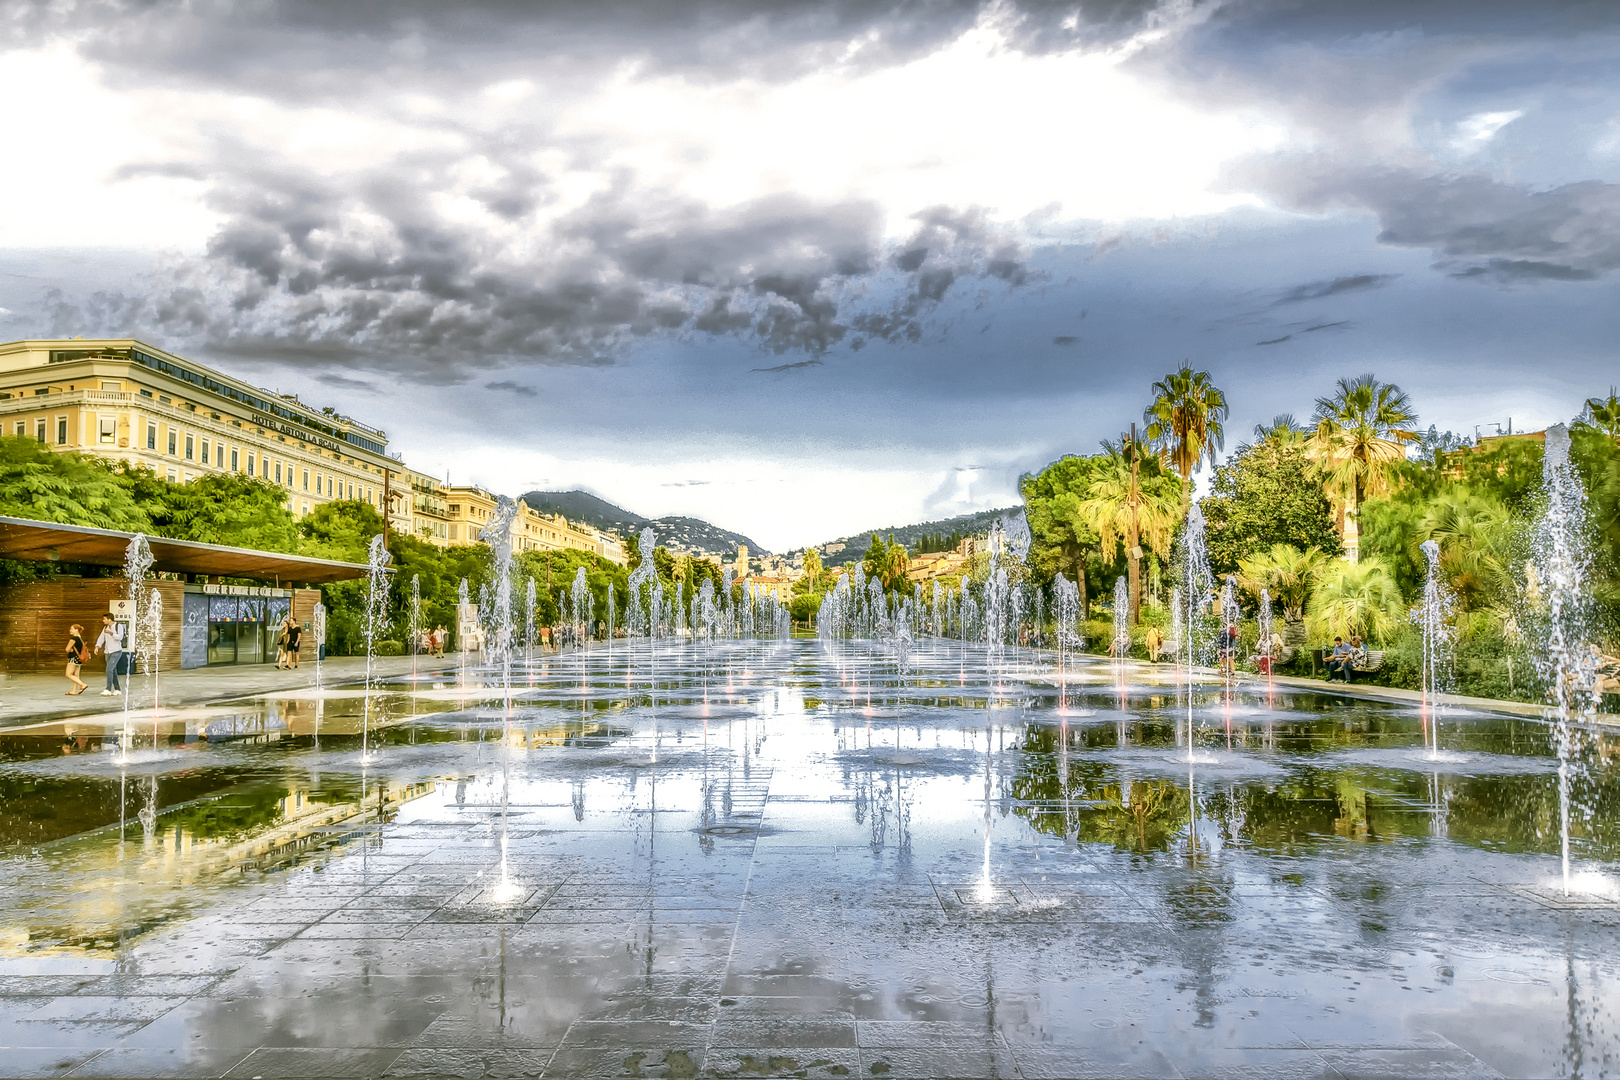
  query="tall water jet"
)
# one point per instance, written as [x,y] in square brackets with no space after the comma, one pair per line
[530,599]
[374,625]
[1197,585]
[579,595]
[463,624]
[1228,629]
[1066,612]
[498,534]
[1434,618]
[154,644]
[137,561]
[317,631]
[1562,560]
[638,619]
[416,624]
[1122,624]
[1264,623]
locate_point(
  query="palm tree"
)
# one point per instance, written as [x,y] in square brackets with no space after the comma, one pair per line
[1288,575]
[1186,423]
[1132,504]
[1604,414]
[1475,535]
[1357,598]
[1361,432]
[1283,430]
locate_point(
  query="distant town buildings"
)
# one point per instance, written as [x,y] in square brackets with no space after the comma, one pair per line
[124,400]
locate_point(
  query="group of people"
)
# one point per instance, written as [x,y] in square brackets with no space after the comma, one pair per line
[112,644]
[1344,659]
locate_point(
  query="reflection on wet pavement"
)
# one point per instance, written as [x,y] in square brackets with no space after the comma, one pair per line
[792,858]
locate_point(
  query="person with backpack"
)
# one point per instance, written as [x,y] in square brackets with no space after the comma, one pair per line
[111,643]
[75,660]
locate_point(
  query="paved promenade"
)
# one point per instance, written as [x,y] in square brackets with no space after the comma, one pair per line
[31,699]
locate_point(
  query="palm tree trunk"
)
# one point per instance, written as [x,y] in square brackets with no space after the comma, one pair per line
[1133,554]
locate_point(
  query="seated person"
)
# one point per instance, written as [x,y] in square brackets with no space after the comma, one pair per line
[1338,661]
[1358,658]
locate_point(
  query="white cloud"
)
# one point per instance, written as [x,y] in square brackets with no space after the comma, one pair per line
[1479,129]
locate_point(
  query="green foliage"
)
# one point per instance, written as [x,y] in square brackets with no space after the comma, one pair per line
[1360,599]
[340,530]
[66,487]
[220,508]
[1267,493]
[554,571]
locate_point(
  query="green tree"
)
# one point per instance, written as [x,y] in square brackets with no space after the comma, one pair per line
[1061,534]
[1361,433]
[1132,499]
[1186,423]
[65,487]
[340,530]
[887,561]
[1267,493]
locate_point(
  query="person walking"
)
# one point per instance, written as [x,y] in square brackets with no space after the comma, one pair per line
[295,634]
[75,660]
[281,644]
[111,645]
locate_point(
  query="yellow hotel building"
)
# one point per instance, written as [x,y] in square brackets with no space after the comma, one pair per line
[471,507]
[122,399]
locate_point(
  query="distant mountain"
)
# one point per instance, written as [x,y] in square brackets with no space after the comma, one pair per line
[966,524]
[675,533]
[584,507]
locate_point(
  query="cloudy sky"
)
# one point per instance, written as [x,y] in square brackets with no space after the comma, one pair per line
[804,266]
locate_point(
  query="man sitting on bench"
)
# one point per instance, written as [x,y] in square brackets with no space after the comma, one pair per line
[1338,661]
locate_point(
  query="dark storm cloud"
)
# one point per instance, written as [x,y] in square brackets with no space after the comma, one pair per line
[1480,226]
[370,271]
[316,49]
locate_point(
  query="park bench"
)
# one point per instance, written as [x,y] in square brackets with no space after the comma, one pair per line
[1374,661]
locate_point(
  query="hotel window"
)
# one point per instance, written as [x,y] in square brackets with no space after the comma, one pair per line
[106,430]
[233,461]
[278,471]
[205,451]
[191,447]
[39,430]
[115,387]
[151,436]
[171,476]
[351,491]
[306,479]
[171,442]
[252,464]
[22,428]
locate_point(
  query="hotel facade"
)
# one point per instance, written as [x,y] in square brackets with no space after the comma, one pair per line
[123,400]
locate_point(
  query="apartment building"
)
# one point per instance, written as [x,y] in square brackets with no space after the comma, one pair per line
[129,401]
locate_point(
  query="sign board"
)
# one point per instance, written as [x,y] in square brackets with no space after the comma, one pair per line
[122,609]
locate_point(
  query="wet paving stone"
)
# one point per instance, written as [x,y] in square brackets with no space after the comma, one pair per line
[774,889]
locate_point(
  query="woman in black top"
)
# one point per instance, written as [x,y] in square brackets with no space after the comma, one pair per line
[294,632]
[75,657]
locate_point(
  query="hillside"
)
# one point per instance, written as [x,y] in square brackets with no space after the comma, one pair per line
[675,533]
[584,507]
[855,543]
